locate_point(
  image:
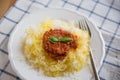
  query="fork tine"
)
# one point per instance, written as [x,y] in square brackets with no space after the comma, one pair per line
[80,24]
[84,24]
[87,27]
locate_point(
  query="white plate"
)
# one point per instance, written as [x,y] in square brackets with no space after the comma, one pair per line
[32,20]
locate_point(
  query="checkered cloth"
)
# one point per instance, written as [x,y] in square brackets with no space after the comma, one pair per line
[105,13]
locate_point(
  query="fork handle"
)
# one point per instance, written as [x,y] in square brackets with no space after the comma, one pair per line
[93,67]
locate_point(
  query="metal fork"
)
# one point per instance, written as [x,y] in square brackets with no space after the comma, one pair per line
[83,24]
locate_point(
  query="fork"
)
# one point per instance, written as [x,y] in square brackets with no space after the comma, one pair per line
[83,24]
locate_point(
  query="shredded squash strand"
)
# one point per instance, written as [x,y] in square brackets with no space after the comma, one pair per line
[38,58]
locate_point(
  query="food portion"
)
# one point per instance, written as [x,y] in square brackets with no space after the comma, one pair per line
[56,48]
[58,42]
